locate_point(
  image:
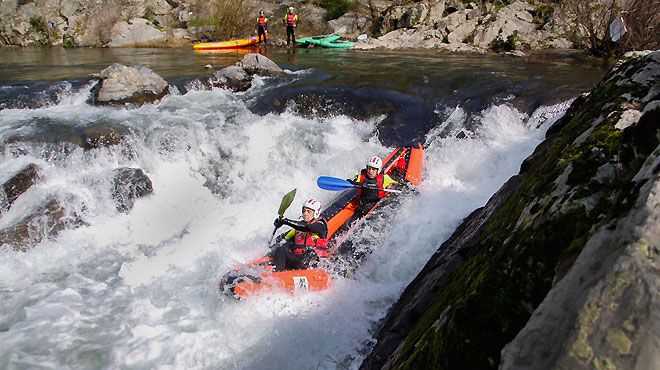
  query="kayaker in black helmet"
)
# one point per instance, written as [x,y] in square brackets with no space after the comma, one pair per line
[291,22]
[306,242]
[262,28]
[371,176]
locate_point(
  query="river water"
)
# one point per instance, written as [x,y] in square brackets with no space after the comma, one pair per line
[137,290]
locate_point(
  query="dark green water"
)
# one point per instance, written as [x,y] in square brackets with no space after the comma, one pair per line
[392,69]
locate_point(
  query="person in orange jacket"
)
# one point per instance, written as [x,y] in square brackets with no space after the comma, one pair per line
[306,242]
[262,28]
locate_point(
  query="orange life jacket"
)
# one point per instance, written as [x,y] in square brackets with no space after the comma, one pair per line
[291,19]
[369,193]
[304,239]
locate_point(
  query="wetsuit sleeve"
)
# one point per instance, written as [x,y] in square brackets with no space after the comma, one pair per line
[387,181]
[318,228]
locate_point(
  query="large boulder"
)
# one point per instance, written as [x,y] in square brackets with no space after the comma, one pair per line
[136,32]
[258,64]
[135,84]
[129,184]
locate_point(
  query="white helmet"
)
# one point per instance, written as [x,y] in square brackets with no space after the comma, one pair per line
[314,204]
[375,162]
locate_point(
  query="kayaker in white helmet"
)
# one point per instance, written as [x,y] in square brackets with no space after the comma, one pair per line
[306,242]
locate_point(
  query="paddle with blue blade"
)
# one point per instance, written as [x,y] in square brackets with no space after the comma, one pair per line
[337,184]
[286,202]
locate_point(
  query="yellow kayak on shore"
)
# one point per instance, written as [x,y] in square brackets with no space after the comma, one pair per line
[231,44]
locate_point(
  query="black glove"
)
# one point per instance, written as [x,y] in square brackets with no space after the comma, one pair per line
[278,222]
[353,182]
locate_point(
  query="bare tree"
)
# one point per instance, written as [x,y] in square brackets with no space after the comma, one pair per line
[591,20]
[642,19]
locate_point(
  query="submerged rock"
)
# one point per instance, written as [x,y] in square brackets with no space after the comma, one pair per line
[46,222]
[19,183]
[129,184]
[233,78]
[101,134]
[135,84]
[238,77]
[567,249]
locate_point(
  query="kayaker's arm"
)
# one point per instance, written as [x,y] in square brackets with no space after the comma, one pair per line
[319,228]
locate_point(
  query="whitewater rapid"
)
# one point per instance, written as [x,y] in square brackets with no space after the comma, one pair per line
[137,290]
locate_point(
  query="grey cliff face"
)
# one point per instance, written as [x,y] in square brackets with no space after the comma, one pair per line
[559,269]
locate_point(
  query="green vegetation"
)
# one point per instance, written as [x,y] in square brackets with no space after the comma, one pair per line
[499,4]
[542,14]
[38,24]
[69,42]
[509,44]
[335,8]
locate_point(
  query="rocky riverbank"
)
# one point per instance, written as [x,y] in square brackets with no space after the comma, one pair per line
[559,268]
[509,26]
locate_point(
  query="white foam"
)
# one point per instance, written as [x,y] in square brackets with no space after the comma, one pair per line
[138,289]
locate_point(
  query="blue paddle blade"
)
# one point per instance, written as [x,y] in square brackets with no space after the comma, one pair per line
[333,183]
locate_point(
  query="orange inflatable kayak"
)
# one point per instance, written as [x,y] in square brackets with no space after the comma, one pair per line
[231,44]
[404,164]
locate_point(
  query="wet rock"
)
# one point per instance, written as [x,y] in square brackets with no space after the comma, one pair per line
[233,78]
[238,77]
[20,183]
[129,184]
[46,222]
[135,84]
[258,64]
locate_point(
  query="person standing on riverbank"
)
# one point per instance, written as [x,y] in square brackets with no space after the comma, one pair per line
[291,22]
[262,28]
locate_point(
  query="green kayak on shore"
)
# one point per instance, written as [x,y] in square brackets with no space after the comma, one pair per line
[316,40]
[337,44]
[326,41]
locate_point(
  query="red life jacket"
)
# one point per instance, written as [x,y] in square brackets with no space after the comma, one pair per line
[291,20]
[261,21]
[369,193]
[304,239]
